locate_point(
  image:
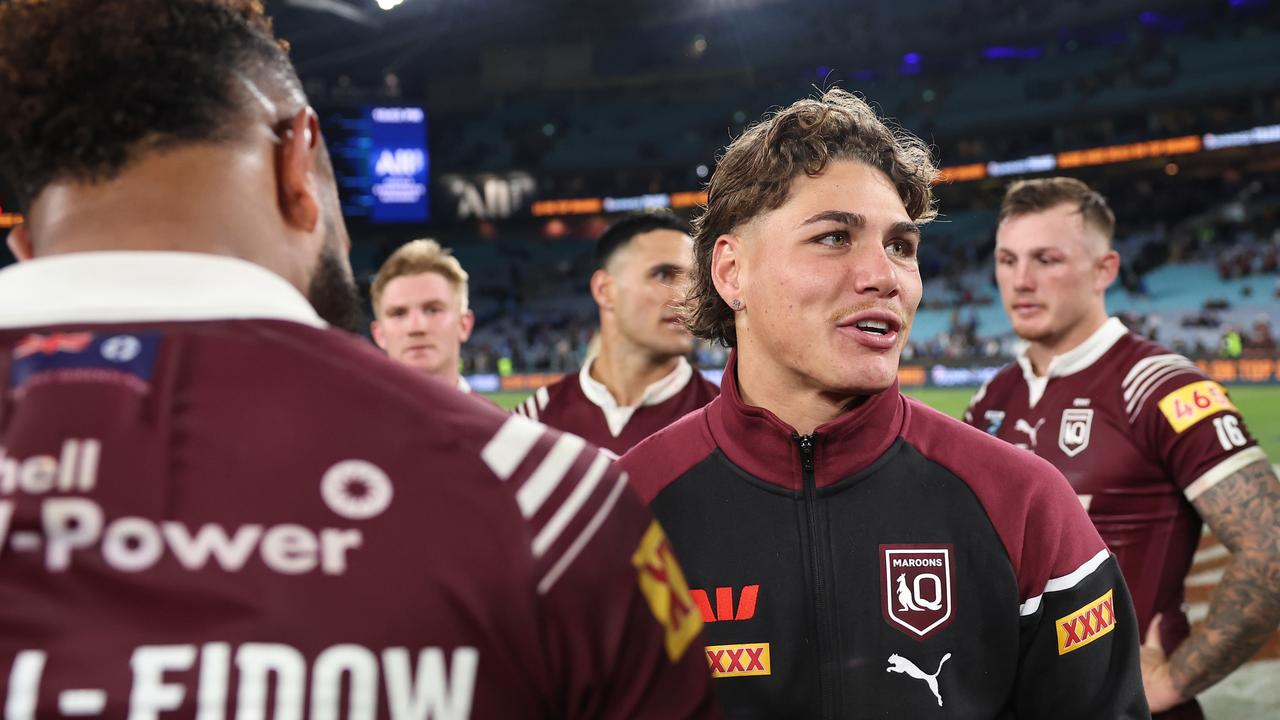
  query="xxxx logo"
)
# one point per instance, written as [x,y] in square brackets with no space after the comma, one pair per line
[724,603]
[1086,624]
[743,660]
[664,587]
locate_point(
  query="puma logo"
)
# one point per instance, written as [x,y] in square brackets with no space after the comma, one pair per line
[908,601]
[899,664]
[1023,426]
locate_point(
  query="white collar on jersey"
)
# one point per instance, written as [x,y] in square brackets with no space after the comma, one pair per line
[617,415]
[138,286]
[463,385]
[1074,360]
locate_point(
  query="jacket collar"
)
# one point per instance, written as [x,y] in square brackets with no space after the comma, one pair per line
[136,286]
[757,441]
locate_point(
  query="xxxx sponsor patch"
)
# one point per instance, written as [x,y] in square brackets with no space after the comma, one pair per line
[1192,403]
[1077,629]
[743,660]
[662,582]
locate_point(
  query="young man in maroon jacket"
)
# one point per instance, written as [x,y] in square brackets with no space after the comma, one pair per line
[214,504]
[855,553]
[1150,444]
[640,381]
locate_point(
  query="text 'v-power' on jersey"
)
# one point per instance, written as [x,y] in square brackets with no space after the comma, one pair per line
[211,505]
[582,405]
[894,564]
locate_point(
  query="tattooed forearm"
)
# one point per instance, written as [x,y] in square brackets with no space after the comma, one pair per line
[1244,512]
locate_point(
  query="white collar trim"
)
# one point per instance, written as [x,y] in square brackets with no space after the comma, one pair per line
[463,385]
[616,415]
[138,286]
[1074,360]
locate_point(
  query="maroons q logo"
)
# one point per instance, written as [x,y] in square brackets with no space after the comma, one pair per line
[915,588]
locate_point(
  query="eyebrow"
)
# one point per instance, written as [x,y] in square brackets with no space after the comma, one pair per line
[858,220]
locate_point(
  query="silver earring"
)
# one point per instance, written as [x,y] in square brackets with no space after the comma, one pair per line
[737,303]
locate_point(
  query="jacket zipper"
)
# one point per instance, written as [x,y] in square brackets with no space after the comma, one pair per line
[826,681]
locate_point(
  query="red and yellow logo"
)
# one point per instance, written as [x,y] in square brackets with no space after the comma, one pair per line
[1086,624]
[1192,403]
[662,582]
[743,660]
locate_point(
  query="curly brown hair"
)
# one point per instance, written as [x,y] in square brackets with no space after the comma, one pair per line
[754,176]
[88,84]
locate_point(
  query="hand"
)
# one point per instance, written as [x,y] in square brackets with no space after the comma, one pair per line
[1161,693]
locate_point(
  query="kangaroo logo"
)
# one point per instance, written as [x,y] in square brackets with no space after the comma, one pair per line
[899,664]
[908,600]
[1023,426]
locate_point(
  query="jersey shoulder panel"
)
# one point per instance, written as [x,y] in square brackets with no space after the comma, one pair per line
[1033,509]
[1145,370]
[548,398]
[663,457]
[998,387]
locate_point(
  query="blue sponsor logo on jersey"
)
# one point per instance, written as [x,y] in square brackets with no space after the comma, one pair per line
[126,359]
[994,418]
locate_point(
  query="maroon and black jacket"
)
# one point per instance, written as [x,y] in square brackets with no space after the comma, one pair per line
[894,564]
[213,506]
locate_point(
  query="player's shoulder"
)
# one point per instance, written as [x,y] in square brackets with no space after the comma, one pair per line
[658,460]
[1148,371]
[1002,383]
[551,397]
[976,457]
[336,378]
[1028,501]
[703,387]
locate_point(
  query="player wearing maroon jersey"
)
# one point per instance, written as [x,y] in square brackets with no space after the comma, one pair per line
[855,553]
[421,318]
[640,381]
[1150,444]
[212,503]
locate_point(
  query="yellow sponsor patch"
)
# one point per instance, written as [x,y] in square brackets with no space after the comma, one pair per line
[1087,624]
[662,582]
[743,660]
[1192,403]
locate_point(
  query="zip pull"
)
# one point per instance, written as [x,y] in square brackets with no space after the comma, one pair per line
[806,449]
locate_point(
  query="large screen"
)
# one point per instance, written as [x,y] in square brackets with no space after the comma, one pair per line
[380,156]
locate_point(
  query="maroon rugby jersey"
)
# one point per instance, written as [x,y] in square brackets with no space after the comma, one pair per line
[1139,432]
[211,505]
[583,406]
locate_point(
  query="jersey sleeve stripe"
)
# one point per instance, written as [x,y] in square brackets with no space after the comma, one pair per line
[549,580]
[1224,470]
[509,446]
[1135,405]
[1066,582]
[1153,377]
[542,397]
[566,512]
[549,473]
[1144,366]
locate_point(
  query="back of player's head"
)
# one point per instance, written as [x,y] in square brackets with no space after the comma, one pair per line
[88,86]
[415,258]
[1027,197]
[755,173]
[629,226]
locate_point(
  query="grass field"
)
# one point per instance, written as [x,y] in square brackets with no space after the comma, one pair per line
[1260,405]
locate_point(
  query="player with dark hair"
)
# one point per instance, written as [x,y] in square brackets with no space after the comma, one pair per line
[214,504]
[1151,445]
[640,381]
[855,553]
